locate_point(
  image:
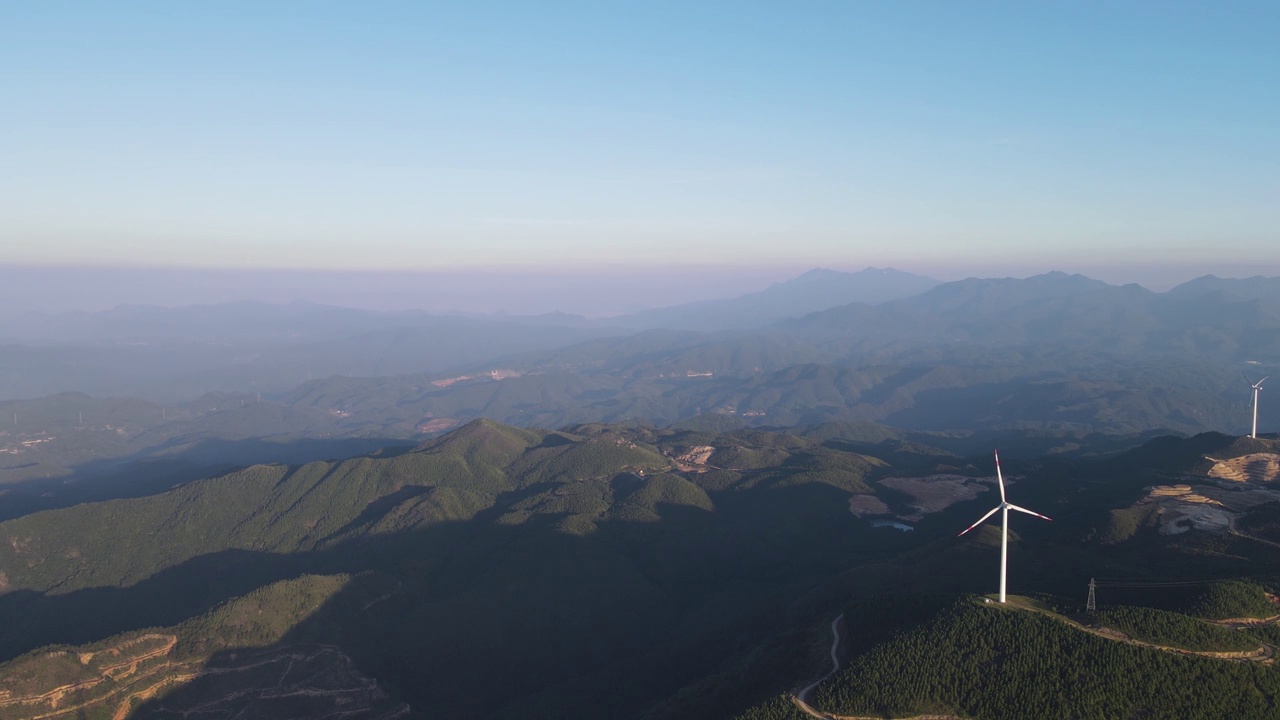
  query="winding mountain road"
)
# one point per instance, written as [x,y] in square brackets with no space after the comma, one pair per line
[803,695]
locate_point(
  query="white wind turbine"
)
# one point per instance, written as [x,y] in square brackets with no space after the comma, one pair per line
[1005,506]
[1256,386]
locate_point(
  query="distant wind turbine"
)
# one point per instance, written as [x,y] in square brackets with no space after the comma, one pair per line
[1256,386]
[1004,507]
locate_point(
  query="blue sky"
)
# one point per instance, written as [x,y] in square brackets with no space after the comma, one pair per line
[943,138]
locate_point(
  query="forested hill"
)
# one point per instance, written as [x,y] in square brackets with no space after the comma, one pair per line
[936,656]
[588,572]
[608,571]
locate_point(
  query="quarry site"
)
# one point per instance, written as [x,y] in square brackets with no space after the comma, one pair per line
[1231,488]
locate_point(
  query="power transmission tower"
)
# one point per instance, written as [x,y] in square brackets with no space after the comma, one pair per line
[1092,605]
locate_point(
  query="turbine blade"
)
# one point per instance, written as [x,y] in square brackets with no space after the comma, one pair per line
[990,512]
[1261,381]
[999,477]
[1029,512]
[1246,378]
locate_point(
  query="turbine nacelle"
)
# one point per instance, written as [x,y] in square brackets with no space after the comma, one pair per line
[1004,502]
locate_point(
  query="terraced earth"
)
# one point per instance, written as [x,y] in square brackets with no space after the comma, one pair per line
[230,662]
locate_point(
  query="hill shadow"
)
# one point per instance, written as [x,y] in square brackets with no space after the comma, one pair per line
[694,615]
[496,620]
[146,473]
[517,612]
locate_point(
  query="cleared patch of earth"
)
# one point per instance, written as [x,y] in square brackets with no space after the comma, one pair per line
[693,459]
[867,505]
[284,683]
[1203,507]
[929,494]
[1255,467]
[278,683]
[436,424]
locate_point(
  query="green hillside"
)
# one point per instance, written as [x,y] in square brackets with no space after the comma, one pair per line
[1161,627]
[621,571]
[972,660]
[511,553]
[1234,599]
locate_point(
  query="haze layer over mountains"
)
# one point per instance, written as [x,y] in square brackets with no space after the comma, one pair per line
[293,510]
[879,337]
[1036,364]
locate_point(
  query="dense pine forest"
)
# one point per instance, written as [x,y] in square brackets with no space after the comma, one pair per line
[977,659]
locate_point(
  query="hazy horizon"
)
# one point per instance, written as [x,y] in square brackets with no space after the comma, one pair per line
[590,292]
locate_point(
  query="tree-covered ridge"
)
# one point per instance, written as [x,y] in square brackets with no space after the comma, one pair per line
[1235,599]
[284,509]
[293,509]
[510,556]
[985,661]
[1161,627]
[1246,599]
[263,508]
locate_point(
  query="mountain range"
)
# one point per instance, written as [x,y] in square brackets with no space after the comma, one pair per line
[815,290]
[1048,352]
[668,515]
[175,355]
[1040,363]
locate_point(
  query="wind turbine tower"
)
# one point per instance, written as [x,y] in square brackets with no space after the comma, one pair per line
[1004,507]
[1256,386]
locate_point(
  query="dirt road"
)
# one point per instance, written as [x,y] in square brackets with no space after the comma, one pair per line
[803,695]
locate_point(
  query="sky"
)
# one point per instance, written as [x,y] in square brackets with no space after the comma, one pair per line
[1131,141]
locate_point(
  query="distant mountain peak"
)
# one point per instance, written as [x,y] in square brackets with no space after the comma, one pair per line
[826,273]
[498,443]
[816,276]
[812,291]
[1060,276]
[1257,287]
[819,272]
[1055,279]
